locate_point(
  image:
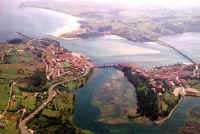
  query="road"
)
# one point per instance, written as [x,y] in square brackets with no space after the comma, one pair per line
[51,95]
[12,84]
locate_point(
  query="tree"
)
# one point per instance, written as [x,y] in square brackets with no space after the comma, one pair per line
[20,71]
[39,78]
[15,41]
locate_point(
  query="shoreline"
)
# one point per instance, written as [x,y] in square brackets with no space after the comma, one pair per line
[163,120]
[160,36]
[113,37]
[72,23]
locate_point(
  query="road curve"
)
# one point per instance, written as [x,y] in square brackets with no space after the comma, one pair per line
[51,95]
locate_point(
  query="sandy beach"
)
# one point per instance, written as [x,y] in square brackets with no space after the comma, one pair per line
[113,37]
[71,24]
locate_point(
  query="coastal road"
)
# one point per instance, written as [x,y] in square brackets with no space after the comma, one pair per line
[51,95]
[22,124]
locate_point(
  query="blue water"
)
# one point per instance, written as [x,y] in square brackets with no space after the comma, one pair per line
[187,43]
[104,51]
[86,114]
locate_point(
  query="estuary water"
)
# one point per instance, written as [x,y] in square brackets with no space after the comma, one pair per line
[188,43]
[107,51]
[86,114]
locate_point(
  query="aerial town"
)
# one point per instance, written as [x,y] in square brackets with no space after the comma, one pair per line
[99,67]
[38,75]
[59,61]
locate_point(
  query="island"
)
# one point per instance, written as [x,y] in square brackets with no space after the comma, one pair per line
[37,79]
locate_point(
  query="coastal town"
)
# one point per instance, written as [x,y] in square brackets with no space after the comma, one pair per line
[36,74]
[99,67]
[59,61]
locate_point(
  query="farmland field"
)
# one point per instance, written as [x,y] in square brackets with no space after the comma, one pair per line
[4,94]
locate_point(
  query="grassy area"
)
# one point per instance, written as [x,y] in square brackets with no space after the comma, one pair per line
[50,113]
[28,100]
[72,85]
[4,94]
[65,64]
[12,58]
[194,84]
[10,123]
[86,131]
[22,64]
[12,71]
[64,102]
[26,57]
[23,99]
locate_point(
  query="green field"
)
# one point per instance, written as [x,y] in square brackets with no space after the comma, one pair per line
[50,113]
[10,124]
[11,71]
[4,94]
[195,84]
[65,64]
[29,102]
[24,68]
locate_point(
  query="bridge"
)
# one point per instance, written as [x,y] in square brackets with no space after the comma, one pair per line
[162,43]
[107,65]
[24,36]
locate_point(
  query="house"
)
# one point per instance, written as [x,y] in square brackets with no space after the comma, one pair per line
[2,56]
[2,126]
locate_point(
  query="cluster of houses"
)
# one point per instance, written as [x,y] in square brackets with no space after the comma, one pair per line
[57,60]
[2,56]
[166,77]
[175,75]
[60,61]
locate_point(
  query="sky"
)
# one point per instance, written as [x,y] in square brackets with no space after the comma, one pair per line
[165,3]
[162,3]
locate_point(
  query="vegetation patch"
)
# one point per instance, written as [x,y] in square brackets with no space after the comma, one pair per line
[28,101]
[10,123]
[50,113]
[4,94]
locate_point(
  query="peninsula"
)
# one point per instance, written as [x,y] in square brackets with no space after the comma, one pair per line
[160,89]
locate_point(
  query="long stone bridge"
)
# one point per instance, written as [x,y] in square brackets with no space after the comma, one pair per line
[165,44]
[107,65]
[160,42]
